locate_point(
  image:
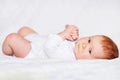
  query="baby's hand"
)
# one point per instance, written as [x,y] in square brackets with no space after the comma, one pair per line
[71,33]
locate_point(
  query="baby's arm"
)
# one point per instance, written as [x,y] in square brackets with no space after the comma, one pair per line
[71,33]
[53,42]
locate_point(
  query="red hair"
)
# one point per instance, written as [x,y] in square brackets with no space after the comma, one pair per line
[109,48]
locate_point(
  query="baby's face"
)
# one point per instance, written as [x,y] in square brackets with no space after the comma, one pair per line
[89,48]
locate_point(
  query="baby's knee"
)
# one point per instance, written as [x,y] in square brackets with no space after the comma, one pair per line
[12,37]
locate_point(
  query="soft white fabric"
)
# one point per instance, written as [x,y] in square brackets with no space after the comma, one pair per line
[37,42]
[51,46]
[56,48]
[35,69]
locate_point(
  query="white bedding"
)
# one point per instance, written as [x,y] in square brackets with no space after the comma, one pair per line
[49,16]
[35,69]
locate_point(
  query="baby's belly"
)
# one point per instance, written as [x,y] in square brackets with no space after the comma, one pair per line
[37,42]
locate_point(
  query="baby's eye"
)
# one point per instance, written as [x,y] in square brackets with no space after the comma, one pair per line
[89,40]
[90,51]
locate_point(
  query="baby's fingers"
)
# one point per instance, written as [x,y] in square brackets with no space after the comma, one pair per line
[70,38]
[75,37]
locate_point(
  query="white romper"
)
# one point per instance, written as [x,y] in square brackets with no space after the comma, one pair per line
[50,46]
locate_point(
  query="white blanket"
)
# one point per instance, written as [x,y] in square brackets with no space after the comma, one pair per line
[35,69]
[49,16]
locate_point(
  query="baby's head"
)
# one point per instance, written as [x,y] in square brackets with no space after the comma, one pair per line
[96,47]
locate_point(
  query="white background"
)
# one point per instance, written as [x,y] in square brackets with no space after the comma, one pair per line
[50,16]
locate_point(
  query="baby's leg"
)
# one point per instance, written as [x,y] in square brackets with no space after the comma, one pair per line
[24,31]
[16,45]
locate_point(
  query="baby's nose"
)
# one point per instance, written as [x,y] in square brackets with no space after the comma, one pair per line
[84,45]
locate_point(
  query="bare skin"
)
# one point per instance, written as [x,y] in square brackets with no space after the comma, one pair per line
[15,44]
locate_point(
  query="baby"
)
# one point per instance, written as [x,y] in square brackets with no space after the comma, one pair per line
[27,43]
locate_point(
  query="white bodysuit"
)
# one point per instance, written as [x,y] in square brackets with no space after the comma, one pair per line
[50,46]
